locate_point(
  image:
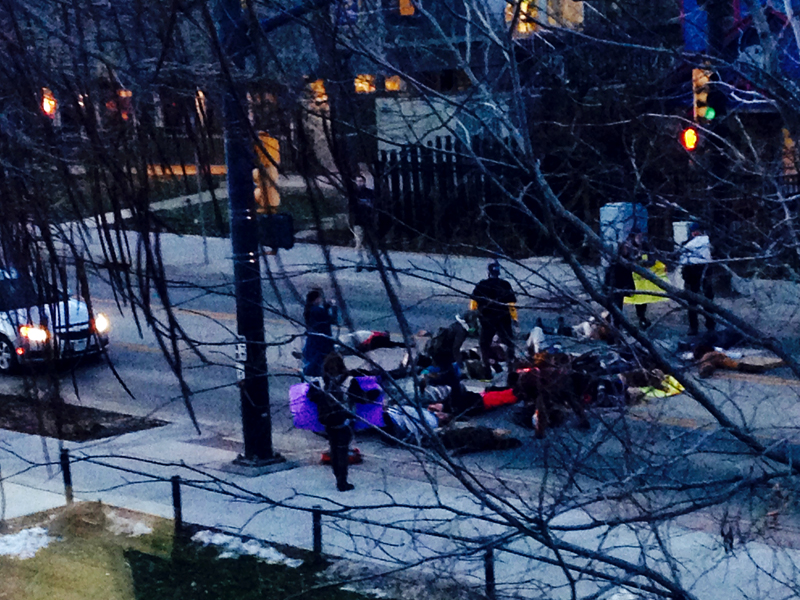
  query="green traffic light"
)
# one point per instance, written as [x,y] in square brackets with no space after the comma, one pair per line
[710,113]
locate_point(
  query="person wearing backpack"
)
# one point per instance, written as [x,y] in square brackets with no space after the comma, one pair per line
[334,398]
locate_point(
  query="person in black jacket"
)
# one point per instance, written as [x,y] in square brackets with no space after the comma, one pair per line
[319,316]
[618,281]
[334,400]
[362,219]
[494,300]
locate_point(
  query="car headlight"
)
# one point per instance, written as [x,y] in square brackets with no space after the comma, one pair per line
[33,333]
[101,323]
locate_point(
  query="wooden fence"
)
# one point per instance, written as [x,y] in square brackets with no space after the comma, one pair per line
[442,190]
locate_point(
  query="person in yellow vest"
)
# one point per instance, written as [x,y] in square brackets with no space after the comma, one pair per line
[641,253]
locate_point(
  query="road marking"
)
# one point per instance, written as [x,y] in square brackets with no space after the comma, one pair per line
[219,316]
[755,378]
[138,347]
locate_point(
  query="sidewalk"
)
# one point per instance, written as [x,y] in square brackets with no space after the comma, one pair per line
[275,507]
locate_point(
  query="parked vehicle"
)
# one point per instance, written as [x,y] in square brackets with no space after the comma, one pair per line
[40,323]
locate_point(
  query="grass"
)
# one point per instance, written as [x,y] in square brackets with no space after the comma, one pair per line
[199,220]
[90,562]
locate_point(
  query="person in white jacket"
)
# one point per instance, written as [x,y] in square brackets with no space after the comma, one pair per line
[696,262]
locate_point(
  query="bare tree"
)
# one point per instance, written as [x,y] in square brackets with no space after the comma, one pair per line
[494,129]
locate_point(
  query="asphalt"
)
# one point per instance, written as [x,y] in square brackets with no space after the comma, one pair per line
[135,470]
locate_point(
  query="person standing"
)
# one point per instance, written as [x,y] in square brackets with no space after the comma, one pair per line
[334,400]
[319,317]
[495,301]
[618,280]
[695,258]
[643,255]
[361,214]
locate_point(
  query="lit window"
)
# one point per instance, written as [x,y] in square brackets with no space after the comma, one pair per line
[125,107]
[571,13]
[49,103]
[559,13]
[406,7]
[365,84]
[317,88]
[393,84]
[528,11]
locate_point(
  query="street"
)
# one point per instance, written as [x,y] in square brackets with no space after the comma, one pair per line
[431,293]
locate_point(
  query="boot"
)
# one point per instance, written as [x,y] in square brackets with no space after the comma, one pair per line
[340,458]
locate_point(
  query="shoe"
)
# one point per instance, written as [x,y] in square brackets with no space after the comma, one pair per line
[354,457]
[345,487]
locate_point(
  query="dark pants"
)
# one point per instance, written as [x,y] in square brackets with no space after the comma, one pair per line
[503,331]
[697,279]
[339,438]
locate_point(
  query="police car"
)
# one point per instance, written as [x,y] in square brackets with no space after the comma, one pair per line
[43,323]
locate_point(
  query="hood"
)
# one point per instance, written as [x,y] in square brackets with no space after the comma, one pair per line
[57,315]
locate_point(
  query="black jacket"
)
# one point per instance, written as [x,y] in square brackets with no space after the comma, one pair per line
[493,295]
[336,398]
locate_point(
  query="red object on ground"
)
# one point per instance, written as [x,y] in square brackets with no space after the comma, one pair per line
[499,398]
[355,457]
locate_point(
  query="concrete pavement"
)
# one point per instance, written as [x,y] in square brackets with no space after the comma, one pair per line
[274,507]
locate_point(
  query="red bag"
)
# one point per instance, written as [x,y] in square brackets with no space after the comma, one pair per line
[498,398]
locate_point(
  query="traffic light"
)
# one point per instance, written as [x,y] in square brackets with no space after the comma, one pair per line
[689,138]
[267,195]
[49,103]
[701,78]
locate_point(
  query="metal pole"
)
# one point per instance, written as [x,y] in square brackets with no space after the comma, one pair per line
[254,390]
[200,201]
[177,508]
[489,570]
[316,526]
[67,475]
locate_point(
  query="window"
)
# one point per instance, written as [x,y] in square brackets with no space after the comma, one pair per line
[528,11]
[532,14]
[406,8]
[317,88]
[364,84]
[394,84]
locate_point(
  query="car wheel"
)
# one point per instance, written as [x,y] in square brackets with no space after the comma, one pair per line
[8,358]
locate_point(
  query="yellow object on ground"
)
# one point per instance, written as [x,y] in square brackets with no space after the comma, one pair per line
[659,269]
[669,387]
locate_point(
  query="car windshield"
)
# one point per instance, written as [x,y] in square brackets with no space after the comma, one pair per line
[20,292]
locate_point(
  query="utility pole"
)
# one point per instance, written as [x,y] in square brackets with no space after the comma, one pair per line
[239,158]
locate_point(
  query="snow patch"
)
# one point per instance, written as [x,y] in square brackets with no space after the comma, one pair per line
[119,525]
[24,544]
[234,546]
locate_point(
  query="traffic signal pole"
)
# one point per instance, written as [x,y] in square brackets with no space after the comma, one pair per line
[239,158]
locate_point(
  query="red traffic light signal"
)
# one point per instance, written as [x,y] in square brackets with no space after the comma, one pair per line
[689,138]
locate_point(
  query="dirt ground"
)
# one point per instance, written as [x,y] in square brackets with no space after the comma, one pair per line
[66,421]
